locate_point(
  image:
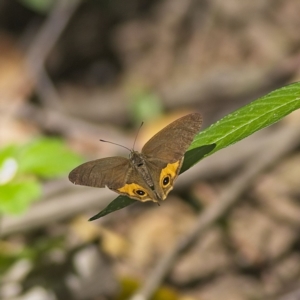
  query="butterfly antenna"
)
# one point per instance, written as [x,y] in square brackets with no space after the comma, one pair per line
[137,134]
[104,141]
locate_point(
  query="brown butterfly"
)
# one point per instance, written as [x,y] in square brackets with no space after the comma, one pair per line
[145,176]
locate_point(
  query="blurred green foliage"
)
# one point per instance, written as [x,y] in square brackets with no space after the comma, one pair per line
[39,6]
[35,253]
[22,167]
[145,106]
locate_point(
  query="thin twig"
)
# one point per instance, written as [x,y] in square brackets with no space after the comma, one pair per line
[42,45]
[46,90]
[49,33]
[286,139]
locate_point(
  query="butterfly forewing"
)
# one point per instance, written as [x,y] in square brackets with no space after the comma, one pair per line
[171,143]
[110,172]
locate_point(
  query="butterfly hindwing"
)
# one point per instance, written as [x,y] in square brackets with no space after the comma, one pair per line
[163,175]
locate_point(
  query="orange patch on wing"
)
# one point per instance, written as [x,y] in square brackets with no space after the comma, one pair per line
[131,189]
[171,170]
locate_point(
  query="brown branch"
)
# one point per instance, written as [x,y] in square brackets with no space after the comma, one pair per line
[285,140]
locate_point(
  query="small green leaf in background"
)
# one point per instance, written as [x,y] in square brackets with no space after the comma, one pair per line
[145,106]
[21,167]
[234,127]
[39,6]
[15,197]
[47,158]
[8,151]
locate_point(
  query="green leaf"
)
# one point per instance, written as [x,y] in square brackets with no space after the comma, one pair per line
[234,127]
[255,116]
[15,197]
[47,158]
[7,152]
[118,203]
[194,155]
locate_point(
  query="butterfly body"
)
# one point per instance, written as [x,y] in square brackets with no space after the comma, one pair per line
[148,175]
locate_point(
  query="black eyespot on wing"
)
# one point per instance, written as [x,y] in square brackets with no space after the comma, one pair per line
[140,192]
[166,181]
